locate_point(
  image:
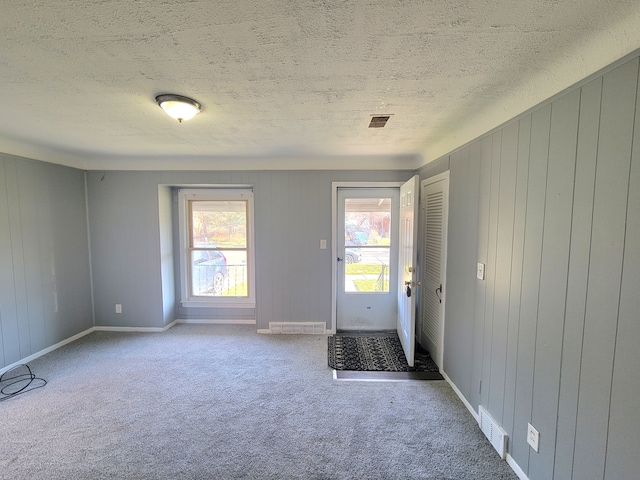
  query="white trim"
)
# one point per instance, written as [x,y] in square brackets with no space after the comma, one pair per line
[462,398]
[217,192]
[217,321]
[47,350]
[234,302]
[134,329]
[516,468]
[334,236]
[388,380]
[264,331]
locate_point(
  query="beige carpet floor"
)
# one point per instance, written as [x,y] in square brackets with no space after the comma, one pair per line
[223,402]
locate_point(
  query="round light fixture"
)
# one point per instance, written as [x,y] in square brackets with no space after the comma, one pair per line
[178,107]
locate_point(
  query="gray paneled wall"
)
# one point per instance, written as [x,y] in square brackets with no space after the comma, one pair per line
[292,213]
[551,204]
[45,294]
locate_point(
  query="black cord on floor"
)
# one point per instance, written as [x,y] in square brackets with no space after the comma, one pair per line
[17,380]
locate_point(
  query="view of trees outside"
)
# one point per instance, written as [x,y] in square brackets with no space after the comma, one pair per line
[219,247]
[367,244]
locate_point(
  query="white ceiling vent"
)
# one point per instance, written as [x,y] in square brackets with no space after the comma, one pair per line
[379,121]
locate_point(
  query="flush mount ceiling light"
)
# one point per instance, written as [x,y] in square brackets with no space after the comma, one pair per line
[178,107]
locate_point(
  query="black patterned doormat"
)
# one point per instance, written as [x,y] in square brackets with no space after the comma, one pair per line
[376,353]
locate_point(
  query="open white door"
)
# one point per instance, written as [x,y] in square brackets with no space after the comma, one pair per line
[408,260]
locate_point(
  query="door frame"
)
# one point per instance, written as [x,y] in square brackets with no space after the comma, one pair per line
[334,235]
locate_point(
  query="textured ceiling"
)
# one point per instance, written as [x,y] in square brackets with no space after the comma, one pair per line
[287,83]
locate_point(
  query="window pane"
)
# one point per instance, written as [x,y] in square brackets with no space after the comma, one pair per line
[219,223]
[219,273]
[209,272]
[367,245]
[370,274]
[237,274]
[367,221]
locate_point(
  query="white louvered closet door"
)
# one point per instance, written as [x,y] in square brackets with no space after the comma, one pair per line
[435,199]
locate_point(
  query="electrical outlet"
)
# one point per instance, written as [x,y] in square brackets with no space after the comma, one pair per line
[533,437]
[118,308]
[480,271]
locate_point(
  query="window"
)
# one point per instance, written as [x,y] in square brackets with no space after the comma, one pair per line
[367,245]
[216,240]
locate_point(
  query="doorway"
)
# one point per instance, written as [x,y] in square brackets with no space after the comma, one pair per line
[366,246]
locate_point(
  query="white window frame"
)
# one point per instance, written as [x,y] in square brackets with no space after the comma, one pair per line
[215,193]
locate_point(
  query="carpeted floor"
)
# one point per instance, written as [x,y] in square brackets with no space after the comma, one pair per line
[220,401]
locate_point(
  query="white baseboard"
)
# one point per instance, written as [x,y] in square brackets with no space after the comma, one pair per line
[217,321]
[462,398]
[510,460]
[516,468]
[47,350]
[135,329]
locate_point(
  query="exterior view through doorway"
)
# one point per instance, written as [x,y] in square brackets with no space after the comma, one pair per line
[367,259]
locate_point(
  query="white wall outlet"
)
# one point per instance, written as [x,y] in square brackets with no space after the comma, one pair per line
[480,272]
[533,437]
[323,244]
[118,308]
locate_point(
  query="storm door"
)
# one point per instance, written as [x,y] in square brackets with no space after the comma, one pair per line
[367,256]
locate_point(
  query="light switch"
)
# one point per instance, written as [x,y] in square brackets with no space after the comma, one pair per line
[323,244]
[480,273]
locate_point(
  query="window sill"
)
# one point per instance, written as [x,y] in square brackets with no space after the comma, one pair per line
[232,303]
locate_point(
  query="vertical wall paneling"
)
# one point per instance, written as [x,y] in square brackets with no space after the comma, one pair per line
[555,323]
[519,220]
[8,347]
[124,218]
[471,252]
[459,166]
[490,270]
[458,348]
[502,280]
[480,345]
[582,212]
[17,254]
[44,274]
[47,229]
[609,216]
[30,204]
[299,220]
[279,224]
[536,192]
[623,443]
[66,251]
[265,264]
[553,278]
